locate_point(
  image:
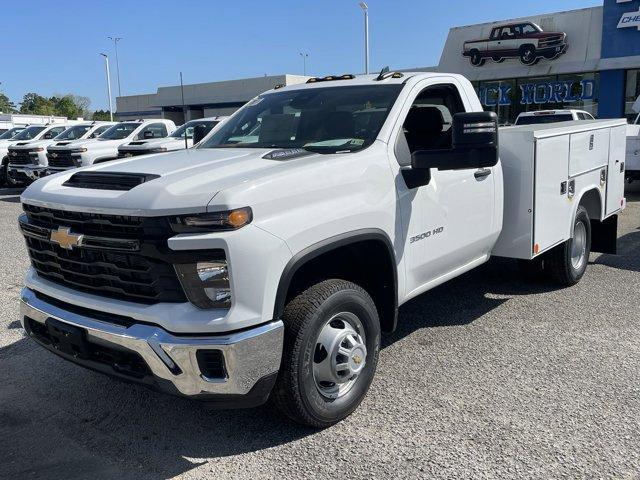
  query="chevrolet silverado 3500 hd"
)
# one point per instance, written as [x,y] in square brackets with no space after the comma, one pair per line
[267,261]
[28,160]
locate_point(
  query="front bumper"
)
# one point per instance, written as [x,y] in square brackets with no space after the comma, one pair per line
[170,362]
[20,173]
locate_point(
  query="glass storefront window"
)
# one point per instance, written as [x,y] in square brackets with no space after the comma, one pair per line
[510,97]
[632,93]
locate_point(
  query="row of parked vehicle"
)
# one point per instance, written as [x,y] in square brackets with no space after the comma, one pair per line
[31,152]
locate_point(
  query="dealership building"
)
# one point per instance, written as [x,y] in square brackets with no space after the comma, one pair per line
[587,59]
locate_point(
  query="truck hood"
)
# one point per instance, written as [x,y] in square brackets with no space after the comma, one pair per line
[188,181]
[27,145]
[152,143]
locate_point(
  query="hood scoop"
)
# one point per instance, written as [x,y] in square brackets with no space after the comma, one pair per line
[21,143]
[62,144]
[137,143]
[108,180]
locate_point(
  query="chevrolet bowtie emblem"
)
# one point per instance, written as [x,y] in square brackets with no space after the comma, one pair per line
[65,239]
[54,155]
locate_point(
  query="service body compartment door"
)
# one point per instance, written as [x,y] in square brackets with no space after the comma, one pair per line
[589,150]
[552,209]
[615,173]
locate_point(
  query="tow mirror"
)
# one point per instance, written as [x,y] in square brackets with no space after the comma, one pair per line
[199,132]
[474,144]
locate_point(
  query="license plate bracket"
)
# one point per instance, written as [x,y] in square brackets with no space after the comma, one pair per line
[68,339]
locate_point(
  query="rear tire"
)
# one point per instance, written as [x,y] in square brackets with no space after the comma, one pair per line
[567,263]
[476,59]
[332,325]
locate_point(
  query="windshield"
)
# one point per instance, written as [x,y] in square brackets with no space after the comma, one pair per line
[74,133]
[28,133]
[535,119]
[119,131]
[11,132]
[189,126]
[324,120]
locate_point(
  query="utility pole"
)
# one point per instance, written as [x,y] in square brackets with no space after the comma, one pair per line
[106,64]
[304,62]
[365,9]
[115,41]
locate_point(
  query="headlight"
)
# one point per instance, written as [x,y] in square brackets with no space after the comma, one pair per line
[214,221]
[34,151]
[78,150]
[206,284]
[158,150]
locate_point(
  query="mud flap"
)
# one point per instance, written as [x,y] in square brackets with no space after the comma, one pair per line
[604,235]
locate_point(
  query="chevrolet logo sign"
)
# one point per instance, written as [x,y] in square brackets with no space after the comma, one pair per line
[54,155]
[65,239]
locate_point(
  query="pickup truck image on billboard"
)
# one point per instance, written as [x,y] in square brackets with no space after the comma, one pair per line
[526,41]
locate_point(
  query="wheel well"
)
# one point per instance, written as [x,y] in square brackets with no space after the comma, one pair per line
[366,262]
[522,47]
[592,202]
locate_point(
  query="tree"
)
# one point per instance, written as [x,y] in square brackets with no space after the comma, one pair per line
[101,115]
[66,107]
[6,105]
[37,105]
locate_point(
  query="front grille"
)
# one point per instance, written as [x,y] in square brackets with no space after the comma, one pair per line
[60,159]
[551,42]
[21,157]
[138,276]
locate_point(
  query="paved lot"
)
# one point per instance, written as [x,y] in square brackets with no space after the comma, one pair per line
[487,377]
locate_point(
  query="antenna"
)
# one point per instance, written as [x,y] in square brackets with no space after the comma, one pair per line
[384,71]
[184,112]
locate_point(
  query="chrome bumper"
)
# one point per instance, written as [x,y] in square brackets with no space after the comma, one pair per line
[29,171]
[249,355]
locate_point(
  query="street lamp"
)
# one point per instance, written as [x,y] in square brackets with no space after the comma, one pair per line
[365,9]
[304,62]
[106,64]
[115,41]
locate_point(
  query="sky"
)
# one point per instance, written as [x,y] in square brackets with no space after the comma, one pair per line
[53,47]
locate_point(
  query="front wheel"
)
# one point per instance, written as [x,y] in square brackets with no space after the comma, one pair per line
[528,55]
[567,262]
[330,353]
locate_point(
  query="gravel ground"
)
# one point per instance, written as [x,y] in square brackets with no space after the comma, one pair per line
[487,377]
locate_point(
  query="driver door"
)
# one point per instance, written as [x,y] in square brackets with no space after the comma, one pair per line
[447,215]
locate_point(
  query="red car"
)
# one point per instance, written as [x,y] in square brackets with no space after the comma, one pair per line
[525,41]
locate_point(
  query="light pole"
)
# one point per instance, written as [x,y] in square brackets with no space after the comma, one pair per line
[115,41]
[304,62]
[365,9]
[106,64]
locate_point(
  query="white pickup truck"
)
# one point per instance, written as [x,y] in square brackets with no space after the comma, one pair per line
[175,141]
[29,134]
[28,160]
[633,150]
[64,156]
[267,261]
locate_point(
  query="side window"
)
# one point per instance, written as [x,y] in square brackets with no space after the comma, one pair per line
[99,131]
[153,130]
[582,116]
[588,116]
[54,132]
[428,124]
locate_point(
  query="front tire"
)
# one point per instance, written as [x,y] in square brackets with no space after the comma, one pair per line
[330,353]
[567,262]
[528,55]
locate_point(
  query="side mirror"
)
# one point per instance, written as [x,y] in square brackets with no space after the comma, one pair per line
[475,144]
[199,132]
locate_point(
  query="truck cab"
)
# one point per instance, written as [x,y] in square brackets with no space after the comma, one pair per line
[268,261]
[105,147]
[29,161]
[175,141]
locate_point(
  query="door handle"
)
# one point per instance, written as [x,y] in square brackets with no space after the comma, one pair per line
[482,173]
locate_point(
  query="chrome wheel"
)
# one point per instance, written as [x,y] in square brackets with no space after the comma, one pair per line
[340,355]
[579,246]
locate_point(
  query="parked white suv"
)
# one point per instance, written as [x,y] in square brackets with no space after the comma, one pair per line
[28,160]
[552,116]
[175,141]
[105,147]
